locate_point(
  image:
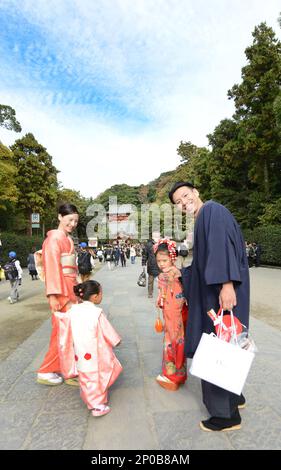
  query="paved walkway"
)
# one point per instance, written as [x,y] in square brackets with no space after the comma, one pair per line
[144,416]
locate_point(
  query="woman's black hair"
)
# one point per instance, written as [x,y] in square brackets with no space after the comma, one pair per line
[162,248]
[67,209]
[86,289]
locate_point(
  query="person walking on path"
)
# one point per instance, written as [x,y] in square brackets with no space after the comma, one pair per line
[218,277]
[116,255]
[128,252]
[100,255]
[60,272]
[149,260]
[109,257]
[132,254]
[85,262]
[123,257]
[94,337]
[13,273]
[173,304]
[257,249]
[31,265]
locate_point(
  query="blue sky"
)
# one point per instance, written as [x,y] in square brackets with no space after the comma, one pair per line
[113,86]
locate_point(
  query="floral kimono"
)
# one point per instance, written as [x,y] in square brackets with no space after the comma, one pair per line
[94,339]
[175,312]
[60,273]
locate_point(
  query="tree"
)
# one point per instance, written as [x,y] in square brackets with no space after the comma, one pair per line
[125,195]
[8,171]
[254,101]
[8,118]
[196,166]
[272,213]
[36,177]
[277,111]
[229,169]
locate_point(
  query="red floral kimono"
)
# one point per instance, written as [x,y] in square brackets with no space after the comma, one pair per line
[60,273]
[175,313]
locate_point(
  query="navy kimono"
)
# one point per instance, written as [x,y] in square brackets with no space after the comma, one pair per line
[219,256]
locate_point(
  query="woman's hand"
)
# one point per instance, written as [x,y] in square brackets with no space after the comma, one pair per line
[227,296]
[54,303]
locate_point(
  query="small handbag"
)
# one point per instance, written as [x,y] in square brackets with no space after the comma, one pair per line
[142,279]
[158,325]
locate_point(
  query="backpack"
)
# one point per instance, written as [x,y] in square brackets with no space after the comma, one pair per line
[84,262]
[10,270]
[183,250]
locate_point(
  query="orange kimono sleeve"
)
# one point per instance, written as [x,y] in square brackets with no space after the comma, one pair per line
[54,281]
[109,333]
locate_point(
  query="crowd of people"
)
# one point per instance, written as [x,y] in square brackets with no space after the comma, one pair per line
[117,254]
[216,279]
[253,252]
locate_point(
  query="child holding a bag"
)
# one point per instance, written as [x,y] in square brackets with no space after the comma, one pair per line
[94,339]
[173,304]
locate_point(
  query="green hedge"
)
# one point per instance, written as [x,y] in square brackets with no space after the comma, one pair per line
[21,244]
[269,238]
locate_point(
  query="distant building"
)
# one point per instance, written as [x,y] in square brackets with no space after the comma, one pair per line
[119,224]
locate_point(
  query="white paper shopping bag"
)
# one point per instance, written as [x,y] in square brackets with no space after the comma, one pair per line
[220,363]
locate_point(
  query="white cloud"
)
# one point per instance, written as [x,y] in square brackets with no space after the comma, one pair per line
[170,61]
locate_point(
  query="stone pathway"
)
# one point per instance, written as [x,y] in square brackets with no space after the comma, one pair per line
[144,416]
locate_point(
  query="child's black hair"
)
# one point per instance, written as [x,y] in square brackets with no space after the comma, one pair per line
[162,248]
[86,289]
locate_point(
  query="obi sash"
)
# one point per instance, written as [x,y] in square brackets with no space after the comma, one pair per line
[68,263]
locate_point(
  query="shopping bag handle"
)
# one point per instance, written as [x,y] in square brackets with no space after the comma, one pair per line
[222,325]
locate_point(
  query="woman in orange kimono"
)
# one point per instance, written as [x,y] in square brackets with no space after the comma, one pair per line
[94,339]
[60,273]
[173,304]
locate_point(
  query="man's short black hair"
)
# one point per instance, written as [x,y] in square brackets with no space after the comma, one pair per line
[178,185]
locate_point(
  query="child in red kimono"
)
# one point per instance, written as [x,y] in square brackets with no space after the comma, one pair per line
[173,304]
[94,339]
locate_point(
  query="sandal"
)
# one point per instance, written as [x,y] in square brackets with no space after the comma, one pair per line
[73,381]
[167,383]
[101,410]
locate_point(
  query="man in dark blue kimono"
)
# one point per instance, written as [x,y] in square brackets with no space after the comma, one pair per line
[218,276]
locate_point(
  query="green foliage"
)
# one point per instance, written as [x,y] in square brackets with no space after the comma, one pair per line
[272,213]
[36,178]
[8,118]
[197,168]
[21,244]
[277,111]
[8,171]
[125,195]
[245,164]
[269,237]
[254,101]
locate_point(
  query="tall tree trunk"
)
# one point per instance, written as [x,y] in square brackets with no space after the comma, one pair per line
[266,179]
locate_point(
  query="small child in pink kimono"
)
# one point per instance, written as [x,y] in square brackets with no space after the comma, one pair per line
[94,338]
